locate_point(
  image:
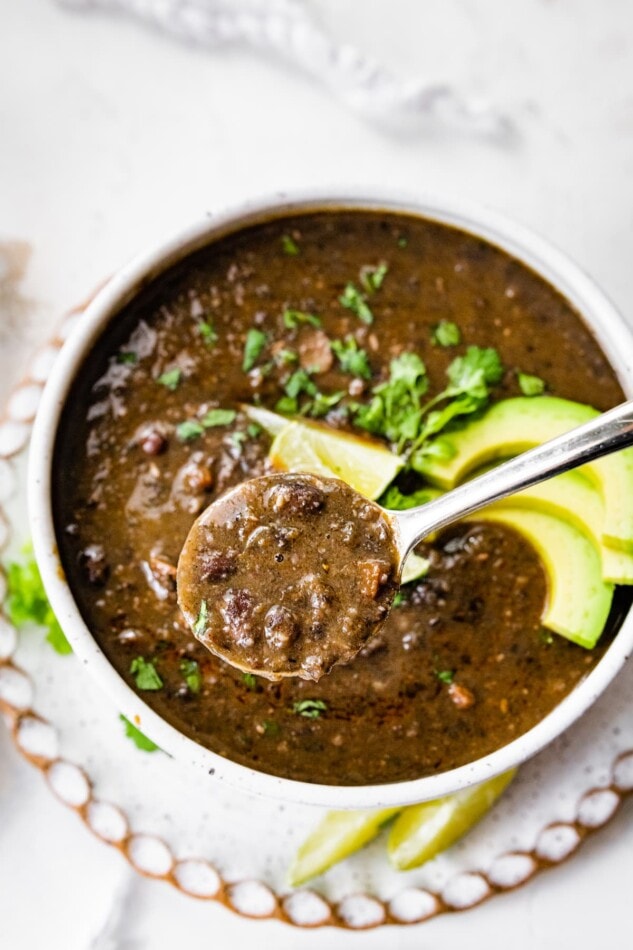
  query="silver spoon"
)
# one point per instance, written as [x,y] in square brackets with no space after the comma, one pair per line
[223,614]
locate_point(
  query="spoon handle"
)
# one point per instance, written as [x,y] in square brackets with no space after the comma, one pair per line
[606,433]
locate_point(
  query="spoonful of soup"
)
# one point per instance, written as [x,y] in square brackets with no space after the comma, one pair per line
[291,574]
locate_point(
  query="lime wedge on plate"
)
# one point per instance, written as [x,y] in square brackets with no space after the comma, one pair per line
[337,836]
[422,831]
[367,466]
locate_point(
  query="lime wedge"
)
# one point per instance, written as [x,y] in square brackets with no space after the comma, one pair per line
[272,422]
[337,836]
[367,466]
[422,831]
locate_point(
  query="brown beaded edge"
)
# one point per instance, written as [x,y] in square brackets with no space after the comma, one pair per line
[335,915]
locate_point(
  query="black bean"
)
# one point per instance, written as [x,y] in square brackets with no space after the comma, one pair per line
[217,565]
[280,626]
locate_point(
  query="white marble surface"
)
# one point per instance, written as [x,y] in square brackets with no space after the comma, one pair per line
[110,137]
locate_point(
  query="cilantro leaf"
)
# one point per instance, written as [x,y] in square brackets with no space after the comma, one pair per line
[399,599]
[287,405]
[309,708]
[191,674]
[293,318]
[140,741]
[289,246]
[27,602]
[395,500]
[446,333]
[530,385]
[445,676]
[218,417]
[352,299]
[145,674]
[372,277]
[255,342]
[128,357]
[300,382]
[189,429]
[396,410]
[352,359]
[250,681]
[170,379]
[207,331]
[321,404]
[474,372]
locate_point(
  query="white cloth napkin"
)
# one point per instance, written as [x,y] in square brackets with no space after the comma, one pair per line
[288,30]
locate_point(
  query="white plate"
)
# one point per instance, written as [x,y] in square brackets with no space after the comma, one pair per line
[219,844]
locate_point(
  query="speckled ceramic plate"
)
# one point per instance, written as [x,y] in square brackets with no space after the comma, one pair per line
[221,845]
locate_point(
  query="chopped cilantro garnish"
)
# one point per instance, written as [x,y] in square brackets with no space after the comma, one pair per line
[530,385]
[399,599]
[207,331]
[289,246]
[189,429]
[271,728]
[287,405]
[170,379]
[372,277]
[352,299]
[546,637]
[285,356]
[397,412]
[446,333]
[352,359]
[127,357]
[191,675]
[445,676]
[192,429]
[255,343]
[321,404]
[293,318]
[402,242]
[201,623]
[396,408]
[145,674]
[253,430]
[300,382]
[395,500]
[140,741]
[27,602]
[309,708]
[218,417]
[250,681]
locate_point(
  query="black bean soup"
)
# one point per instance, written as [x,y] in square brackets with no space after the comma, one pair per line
[305,315]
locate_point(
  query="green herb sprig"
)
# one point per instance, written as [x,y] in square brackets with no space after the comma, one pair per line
[138,738]
[27,602]
[145,674]
[309,708]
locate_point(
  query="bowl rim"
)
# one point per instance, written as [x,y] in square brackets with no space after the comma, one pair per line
[600,316]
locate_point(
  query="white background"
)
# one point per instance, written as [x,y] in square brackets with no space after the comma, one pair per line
[112,136]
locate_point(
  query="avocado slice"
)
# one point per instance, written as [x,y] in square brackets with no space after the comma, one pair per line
[515,425]
[574,499]
[578,599]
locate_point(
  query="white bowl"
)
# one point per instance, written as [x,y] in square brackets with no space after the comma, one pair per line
[612,334]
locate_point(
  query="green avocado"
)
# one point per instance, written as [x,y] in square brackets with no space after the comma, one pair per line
[574,499]
[579,600]
[515,425]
